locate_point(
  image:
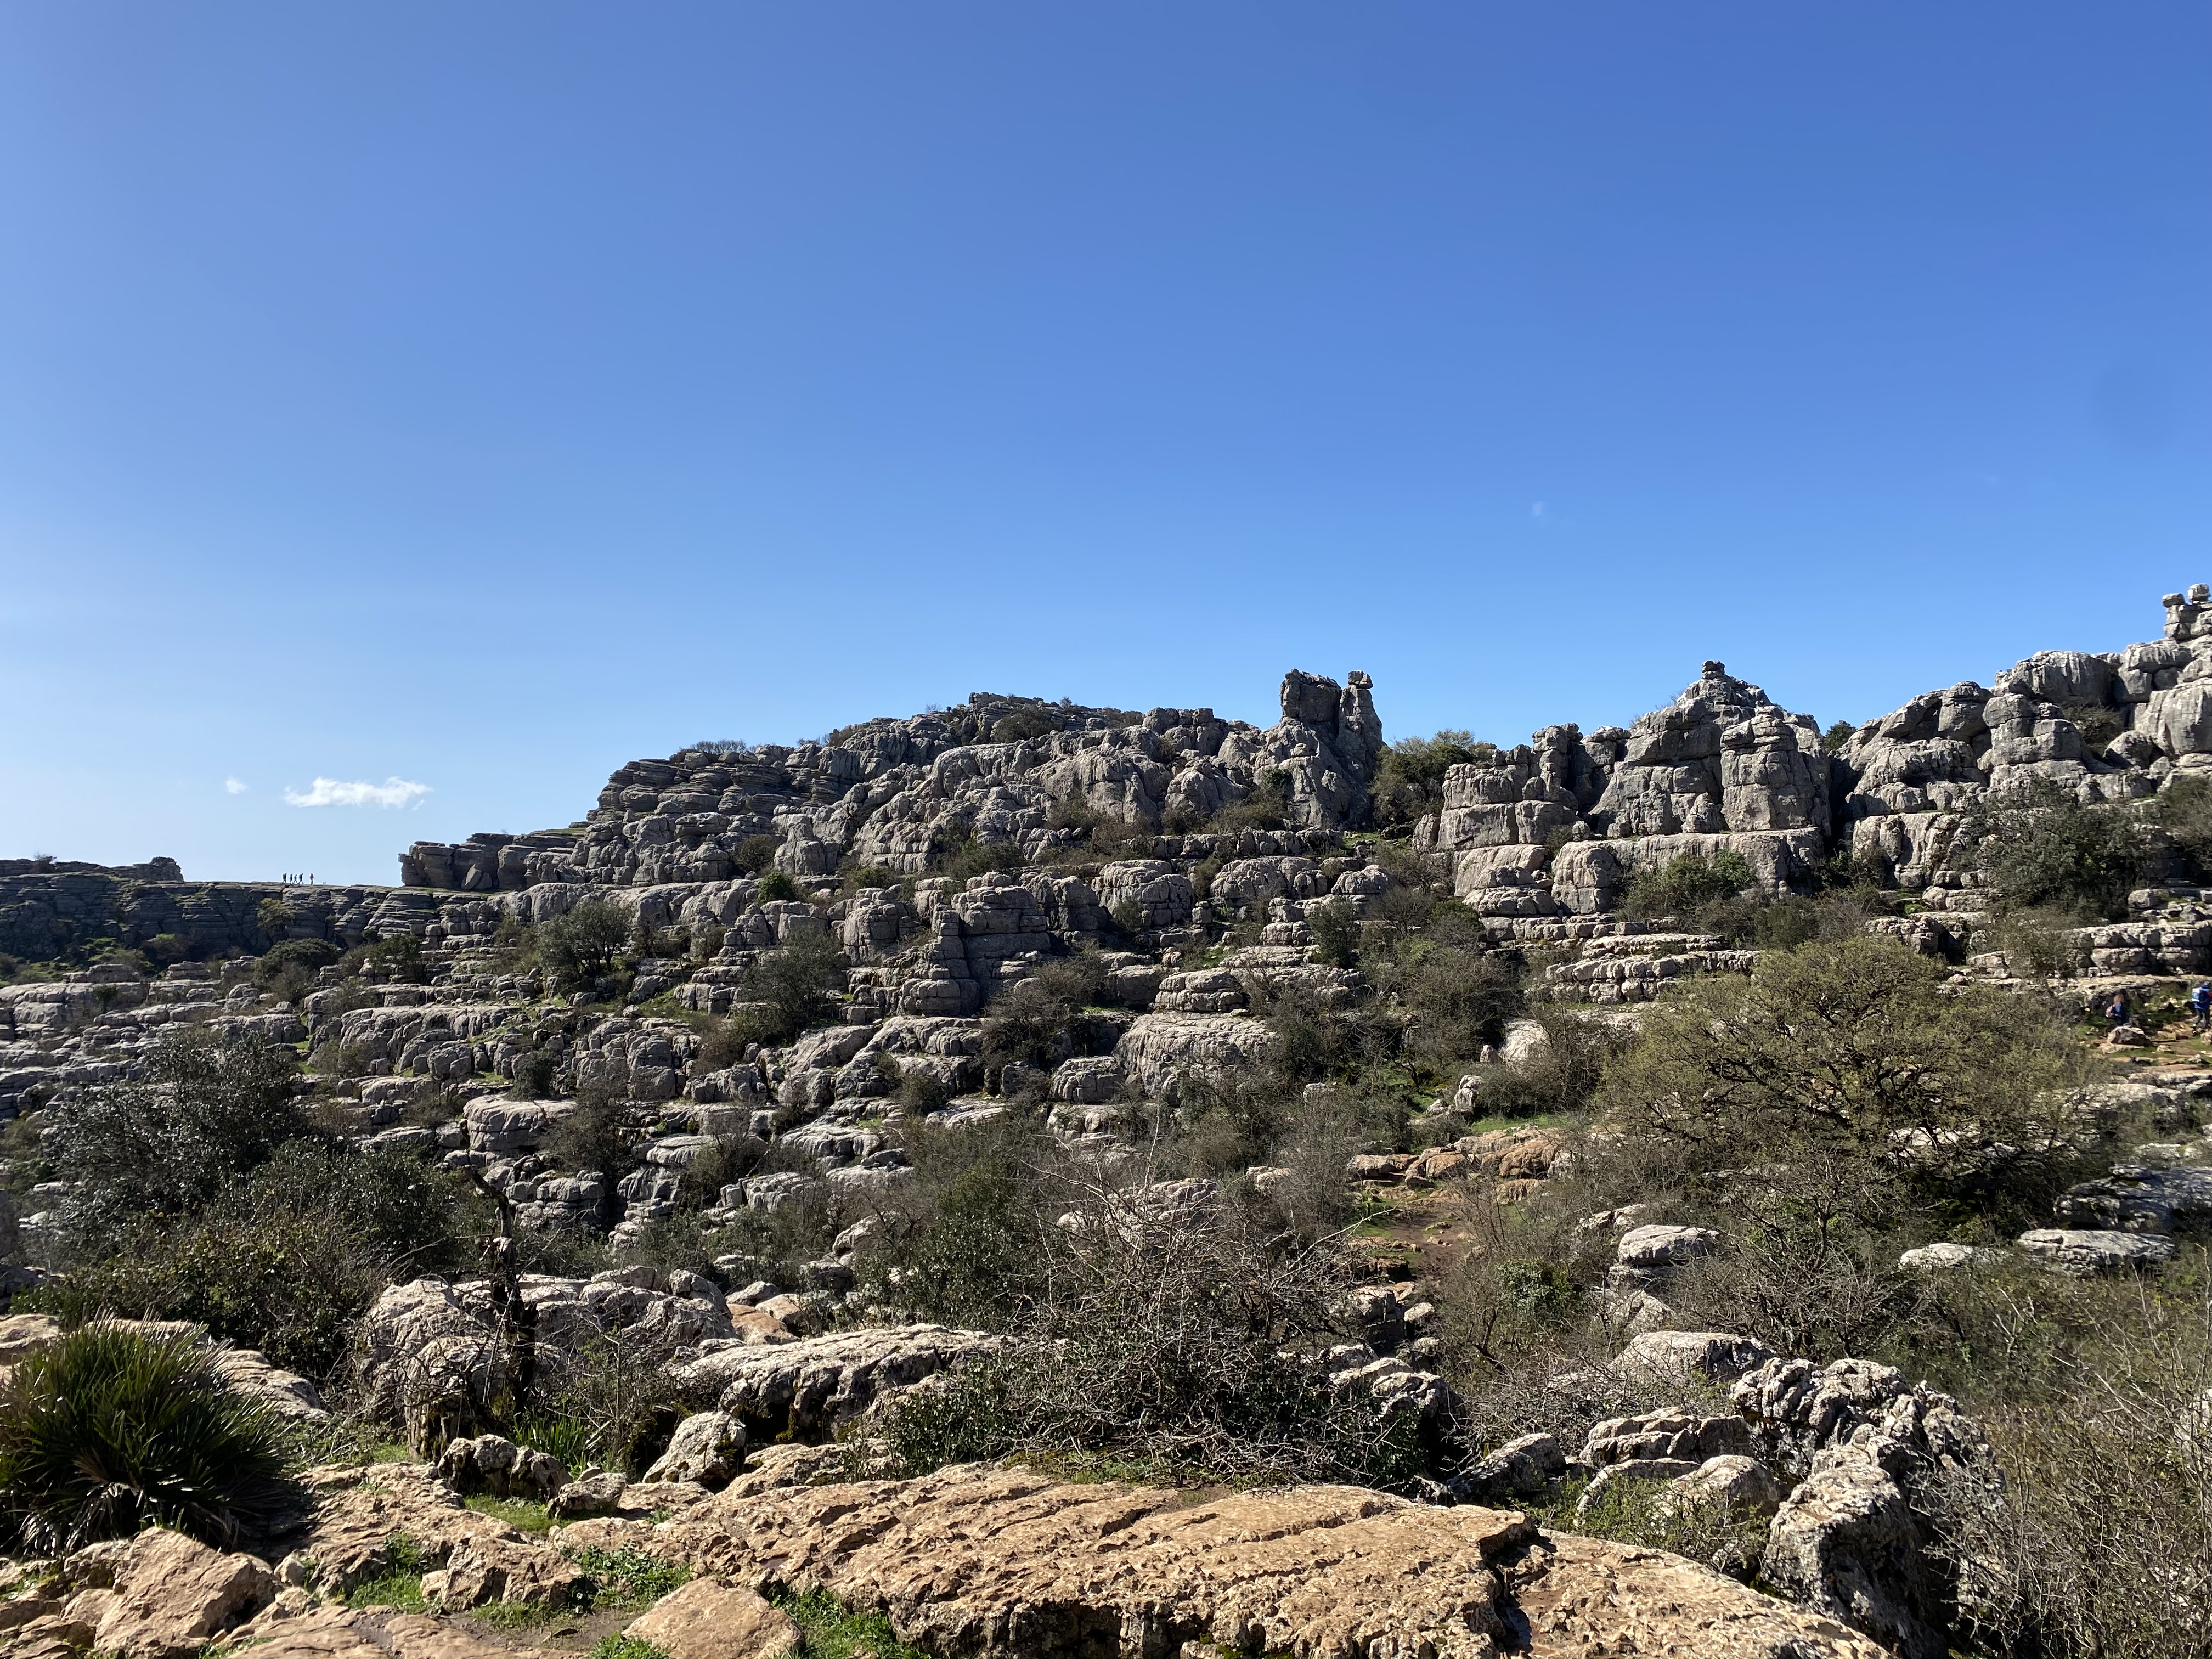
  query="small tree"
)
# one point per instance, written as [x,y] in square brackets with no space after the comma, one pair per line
[1844,1081]
[2184,811]
[582,944]
[2039,847]
[796,981]
[1335,931]
[208,1110]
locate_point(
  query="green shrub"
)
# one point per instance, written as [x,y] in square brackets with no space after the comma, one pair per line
[1687,884]
[1563,1074]
[347,1060]
[2184,811]
[755,854]
[396,957]
[793,983]
[834,1631]
[920,1093]
[960,1244]
[1335,933]
[956,851]
[777,888]
[1458,997]
[165,949]
[1267,807]
[533,1074]
[293,958]
[1022,724]
[566,1439]
[1707,1529]
[628,1577]
[109,1430]
[1183,1345]
[1409,782]
[597,1135]
[2036,943]
[284,1258]
[724,1161]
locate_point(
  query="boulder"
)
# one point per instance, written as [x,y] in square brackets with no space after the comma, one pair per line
[1658,1248]
[1796,1410]
[1158,1049]
[595,1492]
[707,1447]
[807,1389]
[711,1619]
[1668,1434]
[1522,1467]
[484,1570]
[1738,1483]
[2138,1198]
[359,1509]
[1845,1544]
[2082,1252]
[172,1595]
[1669,1359]
[492,1464]
[421,1355]
[302,1630]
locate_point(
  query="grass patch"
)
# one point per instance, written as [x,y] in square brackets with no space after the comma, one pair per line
[521,1513]
[400,1590]
[834,1631]
[625,1647]
[626,1577]
[564,1437]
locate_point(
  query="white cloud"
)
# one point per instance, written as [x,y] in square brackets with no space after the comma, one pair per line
[233,786]
[330,791]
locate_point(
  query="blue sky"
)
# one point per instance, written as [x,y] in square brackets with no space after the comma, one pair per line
[476,396]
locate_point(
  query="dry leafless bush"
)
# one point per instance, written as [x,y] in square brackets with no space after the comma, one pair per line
[1173,1333]
[2095,1541]
[1525,1344]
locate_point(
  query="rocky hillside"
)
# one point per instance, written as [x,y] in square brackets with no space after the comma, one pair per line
[1596,1136]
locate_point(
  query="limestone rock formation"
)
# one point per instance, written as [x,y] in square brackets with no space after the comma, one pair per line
[1009,1563]
[885,791]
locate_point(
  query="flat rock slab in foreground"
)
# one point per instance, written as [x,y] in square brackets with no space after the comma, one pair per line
[1002,1564]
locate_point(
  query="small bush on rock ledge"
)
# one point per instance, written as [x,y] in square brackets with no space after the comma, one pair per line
[109,1431]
